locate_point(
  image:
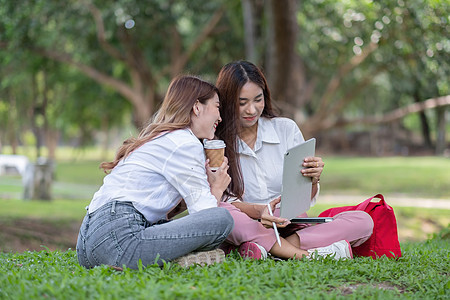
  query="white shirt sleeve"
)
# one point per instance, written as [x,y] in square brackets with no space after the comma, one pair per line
[298,136]
[185,171]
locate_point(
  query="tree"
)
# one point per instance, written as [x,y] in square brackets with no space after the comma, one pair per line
[346,48]
[130,46]
[328,62]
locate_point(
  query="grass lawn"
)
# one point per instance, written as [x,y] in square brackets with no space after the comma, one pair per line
[426,177]
[414,224]
[422,273]
[69,210]
[77,177]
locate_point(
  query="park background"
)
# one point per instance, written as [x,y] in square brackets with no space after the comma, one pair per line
[368,79]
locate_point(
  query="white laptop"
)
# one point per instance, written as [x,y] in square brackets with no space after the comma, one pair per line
[296,189]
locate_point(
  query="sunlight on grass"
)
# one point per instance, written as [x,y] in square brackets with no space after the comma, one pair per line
[82,172]
[56,209]
[413,224]
[78,177]
[416,176]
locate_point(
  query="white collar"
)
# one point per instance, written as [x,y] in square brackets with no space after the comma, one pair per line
[266,133]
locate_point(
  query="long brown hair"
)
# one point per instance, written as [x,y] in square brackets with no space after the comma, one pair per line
[232,77]
[175,113]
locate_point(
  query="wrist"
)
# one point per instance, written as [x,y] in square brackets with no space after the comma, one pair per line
[217,192]
[260,209]
[315,182]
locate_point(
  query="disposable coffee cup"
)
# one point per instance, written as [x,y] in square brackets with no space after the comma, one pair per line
[215,151]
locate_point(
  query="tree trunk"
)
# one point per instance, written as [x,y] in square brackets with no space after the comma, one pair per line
[249,30]
[42,179]
[12,123]
[14,144]
[285,69]
[34,115]
[51,141]
[11,134]
[425,127]
[105,140]
[440,128]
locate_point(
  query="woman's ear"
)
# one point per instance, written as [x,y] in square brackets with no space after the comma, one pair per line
[196,108]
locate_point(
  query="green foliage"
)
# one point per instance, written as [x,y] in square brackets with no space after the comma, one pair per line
[421,273]
[35,36]
[409,61]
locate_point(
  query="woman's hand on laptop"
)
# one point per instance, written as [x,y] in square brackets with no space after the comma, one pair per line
[267,220]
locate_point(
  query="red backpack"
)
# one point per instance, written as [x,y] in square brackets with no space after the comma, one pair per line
[384,239]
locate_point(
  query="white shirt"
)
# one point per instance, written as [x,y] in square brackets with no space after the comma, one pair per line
[262,167]
[155,176]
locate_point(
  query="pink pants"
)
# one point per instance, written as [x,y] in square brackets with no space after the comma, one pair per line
[353,226]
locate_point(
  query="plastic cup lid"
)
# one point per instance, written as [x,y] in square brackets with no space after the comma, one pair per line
[213,144]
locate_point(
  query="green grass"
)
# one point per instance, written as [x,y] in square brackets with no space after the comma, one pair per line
[77,175]
[80,172]
[48,210]
[65,153]
[427,177]
[414,224]
[422,273]
[72,180]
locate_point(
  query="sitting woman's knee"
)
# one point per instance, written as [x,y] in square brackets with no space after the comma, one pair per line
[366,222]
[226,218]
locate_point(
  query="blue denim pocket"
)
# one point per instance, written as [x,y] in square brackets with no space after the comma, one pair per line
[106,248]
[112,229]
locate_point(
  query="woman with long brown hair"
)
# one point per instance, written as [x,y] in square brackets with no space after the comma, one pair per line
[260,139]
[126,219]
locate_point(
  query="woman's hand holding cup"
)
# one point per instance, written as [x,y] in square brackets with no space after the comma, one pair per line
[218,179]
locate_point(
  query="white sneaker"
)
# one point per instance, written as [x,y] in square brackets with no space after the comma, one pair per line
[338,250]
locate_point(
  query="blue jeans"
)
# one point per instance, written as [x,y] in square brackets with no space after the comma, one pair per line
[117,234]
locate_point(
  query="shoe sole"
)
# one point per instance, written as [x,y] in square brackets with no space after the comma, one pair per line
[204,258]
[349,248]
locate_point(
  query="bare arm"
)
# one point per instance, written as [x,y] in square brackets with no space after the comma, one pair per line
[254,211]
[260,212]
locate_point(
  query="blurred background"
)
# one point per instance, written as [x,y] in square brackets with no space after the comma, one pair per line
[369,79]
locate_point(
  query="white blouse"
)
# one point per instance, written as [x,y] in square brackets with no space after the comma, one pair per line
[155,177]
[262,167]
